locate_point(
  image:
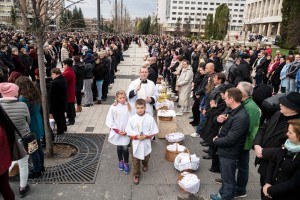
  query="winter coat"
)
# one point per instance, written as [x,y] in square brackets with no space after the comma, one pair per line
[106,68]
[262,67]
[88,71]
[284,175]
[152,75]
[270,136]
[298,79]
[283,72]
[5,155]
[71,82]
[36,122]
[184,82]
[253,112]
[195,61]
[19,65]
[243,73]
[211,127]
[64,53]
[227,66]
[79,68]
[291,73]
[18,113]
[276,74]
[232,135]
[261,92]
[59,95]
[6,59]
[98,72]
[218,64]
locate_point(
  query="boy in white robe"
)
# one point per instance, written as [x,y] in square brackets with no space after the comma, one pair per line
[116,119]
[141,127]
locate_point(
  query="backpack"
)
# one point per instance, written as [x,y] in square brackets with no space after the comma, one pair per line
[232,73]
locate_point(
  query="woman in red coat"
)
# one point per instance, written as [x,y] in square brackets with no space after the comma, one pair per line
[70,77]
[7,138]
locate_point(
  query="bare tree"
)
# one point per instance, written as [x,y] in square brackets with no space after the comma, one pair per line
[23,4]
[42,11]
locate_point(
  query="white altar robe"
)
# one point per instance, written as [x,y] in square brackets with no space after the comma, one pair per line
[148,89]
[117,118]
[135,126]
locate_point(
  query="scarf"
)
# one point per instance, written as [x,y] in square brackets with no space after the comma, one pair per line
[291,146]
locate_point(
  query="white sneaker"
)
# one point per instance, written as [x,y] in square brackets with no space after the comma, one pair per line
[195,135]
[179,113]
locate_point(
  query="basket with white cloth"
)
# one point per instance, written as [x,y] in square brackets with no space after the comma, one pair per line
[175,137]
[173,150]
[186,162]
[188,182]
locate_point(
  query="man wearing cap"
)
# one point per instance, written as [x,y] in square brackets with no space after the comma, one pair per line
[273,133]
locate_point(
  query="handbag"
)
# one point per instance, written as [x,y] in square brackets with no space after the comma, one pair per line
[18,151]
[29,141]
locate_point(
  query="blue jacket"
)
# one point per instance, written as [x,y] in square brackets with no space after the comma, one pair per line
[283,73]
[298,78]
[36,122]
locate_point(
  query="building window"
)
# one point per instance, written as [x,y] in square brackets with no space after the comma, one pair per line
[193,2]
[199,3]
[230,4]
[186,13]
[234,15]
[236,4]
[205,3]
[192,8]
[192,13]
[187,8]
[204,20]
[240,15]
[212,4]
[198,13]
[180,2]
[180,8]
[174,13]
[217,4]
[204,8]
[198,8]
[241,10]
[233,21]
[174,1]
[180,13]
[174,7]
[173,18]
[187,2]
[240,21]
[211,9]
[235,10]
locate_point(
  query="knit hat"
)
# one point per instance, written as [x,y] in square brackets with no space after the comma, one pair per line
[9,89]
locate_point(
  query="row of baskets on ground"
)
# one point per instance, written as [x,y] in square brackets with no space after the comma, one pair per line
[183,162]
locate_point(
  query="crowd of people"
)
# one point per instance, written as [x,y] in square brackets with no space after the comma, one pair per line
[75,63]
[241,98]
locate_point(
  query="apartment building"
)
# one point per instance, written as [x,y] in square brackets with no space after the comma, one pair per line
[168,11]
[264,16]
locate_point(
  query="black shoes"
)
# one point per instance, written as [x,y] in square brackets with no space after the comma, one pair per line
[87,105]
[70,123]
[204,144]
[214,170]
[207,157]
[33,175]
[206,151]
[23,192]
[98,102]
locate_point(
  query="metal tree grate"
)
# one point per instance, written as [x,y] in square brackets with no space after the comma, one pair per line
[82,168]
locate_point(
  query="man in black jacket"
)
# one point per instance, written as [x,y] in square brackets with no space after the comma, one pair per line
[230,141]
[6,58]
[273,133]
[59,100]
[243,71]
[153,70]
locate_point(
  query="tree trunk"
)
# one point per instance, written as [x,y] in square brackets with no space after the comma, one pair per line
[40,52]
[23,9]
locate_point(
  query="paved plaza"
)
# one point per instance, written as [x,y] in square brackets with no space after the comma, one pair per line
[158,183]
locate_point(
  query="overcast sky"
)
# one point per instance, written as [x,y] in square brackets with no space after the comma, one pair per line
[136,8]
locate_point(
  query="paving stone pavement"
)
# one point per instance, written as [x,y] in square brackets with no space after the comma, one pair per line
[158,183]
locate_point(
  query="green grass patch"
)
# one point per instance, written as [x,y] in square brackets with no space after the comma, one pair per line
[283,51]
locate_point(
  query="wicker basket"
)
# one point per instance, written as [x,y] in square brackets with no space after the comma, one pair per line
[171,155]
[164,108]
[180,177]
[188,166]
[165,118]
[180,142]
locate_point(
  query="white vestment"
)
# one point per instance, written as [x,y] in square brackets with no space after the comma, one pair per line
[145,124]
[148,89]
[117,118]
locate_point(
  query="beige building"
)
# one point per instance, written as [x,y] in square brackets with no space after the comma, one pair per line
[263,16]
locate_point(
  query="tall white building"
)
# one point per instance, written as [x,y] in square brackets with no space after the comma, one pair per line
[264,16]
[169,10]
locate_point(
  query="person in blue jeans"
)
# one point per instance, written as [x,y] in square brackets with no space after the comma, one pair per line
[99,78]
[30,95]
[230,142]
